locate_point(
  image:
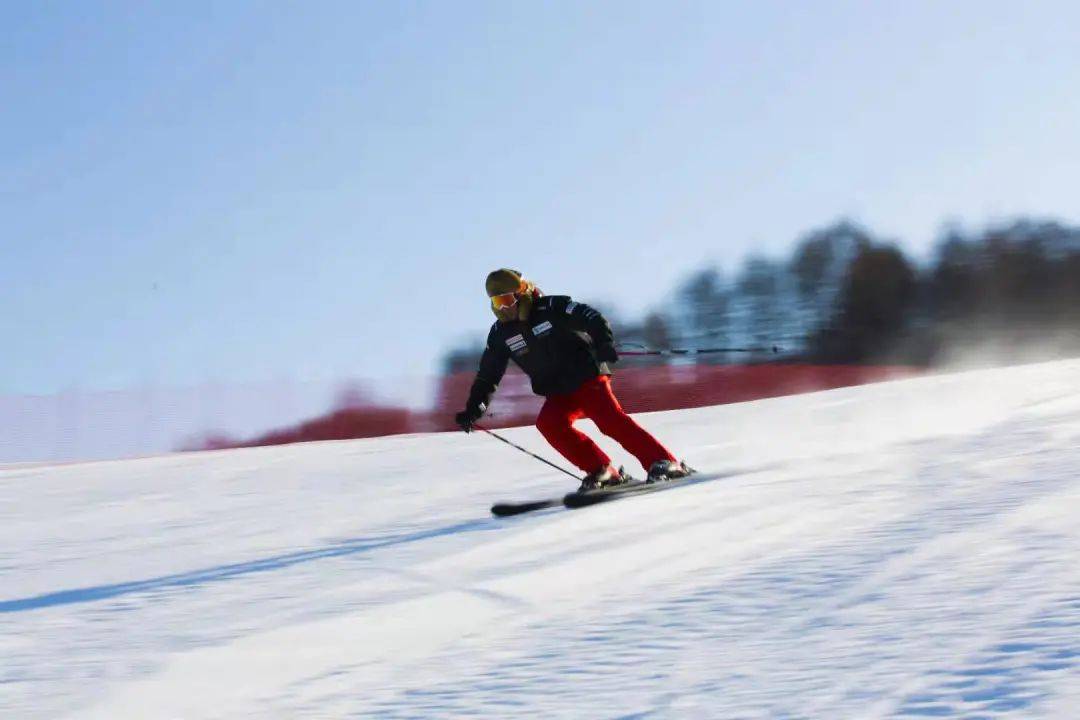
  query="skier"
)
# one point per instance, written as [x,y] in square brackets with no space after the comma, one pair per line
[566,348]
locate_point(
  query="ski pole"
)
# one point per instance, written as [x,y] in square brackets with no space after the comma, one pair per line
[518,447]
[700,351]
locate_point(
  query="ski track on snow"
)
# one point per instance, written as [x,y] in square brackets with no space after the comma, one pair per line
[905,550]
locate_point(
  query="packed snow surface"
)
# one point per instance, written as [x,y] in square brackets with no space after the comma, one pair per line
[907,549]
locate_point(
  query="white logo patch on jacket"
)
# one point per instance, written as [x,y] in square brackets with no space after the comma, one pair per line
[516,343]
[544,327]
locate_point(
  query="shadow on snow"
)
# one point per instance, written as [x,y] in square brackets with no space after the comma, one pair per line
[235,570]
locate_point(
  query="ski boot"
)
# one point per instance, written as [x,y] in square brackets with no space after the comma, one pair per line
[604,478]
[664,470]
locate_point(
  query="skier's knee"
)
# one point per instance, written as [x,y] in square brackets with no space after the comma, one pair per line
[611,424]
[553,428]
[546,425]
[606,427]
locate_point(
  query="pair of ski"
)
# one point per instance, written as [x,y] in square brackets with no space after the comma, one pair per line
[585,498]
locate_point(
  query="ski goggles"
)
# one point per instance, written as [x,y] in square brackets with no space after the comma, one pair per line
[506,300]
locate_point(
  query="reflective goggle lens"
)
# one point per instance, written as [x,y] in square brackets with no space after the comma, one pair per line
[504,301]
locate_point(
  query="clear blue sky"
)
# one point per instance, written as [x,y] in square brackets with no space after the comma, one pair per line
[242,191]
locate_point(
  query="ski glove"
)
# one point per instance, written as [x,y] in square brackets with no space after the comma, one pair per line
[606,353]
[467,417]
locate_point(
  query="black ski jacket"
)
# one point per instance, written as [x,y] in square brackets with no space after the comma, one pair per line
[561,345]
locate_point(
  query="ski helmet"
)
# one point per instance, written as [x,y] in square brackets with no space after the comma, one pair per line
[507,282]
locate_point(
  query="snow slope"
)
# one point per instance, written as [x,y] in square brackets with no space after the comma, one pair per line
[907,549]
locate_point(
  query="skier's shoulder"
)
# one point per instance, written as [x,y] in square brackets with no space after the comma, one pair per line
[501,334]
[494,334]
[566,305]
[556,303]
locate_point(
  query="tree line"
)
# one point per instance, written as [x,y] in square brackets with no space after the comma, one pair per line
[845,295]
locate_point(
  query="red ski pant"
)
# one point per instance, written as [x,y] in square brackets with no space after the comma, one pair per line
[595,400]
